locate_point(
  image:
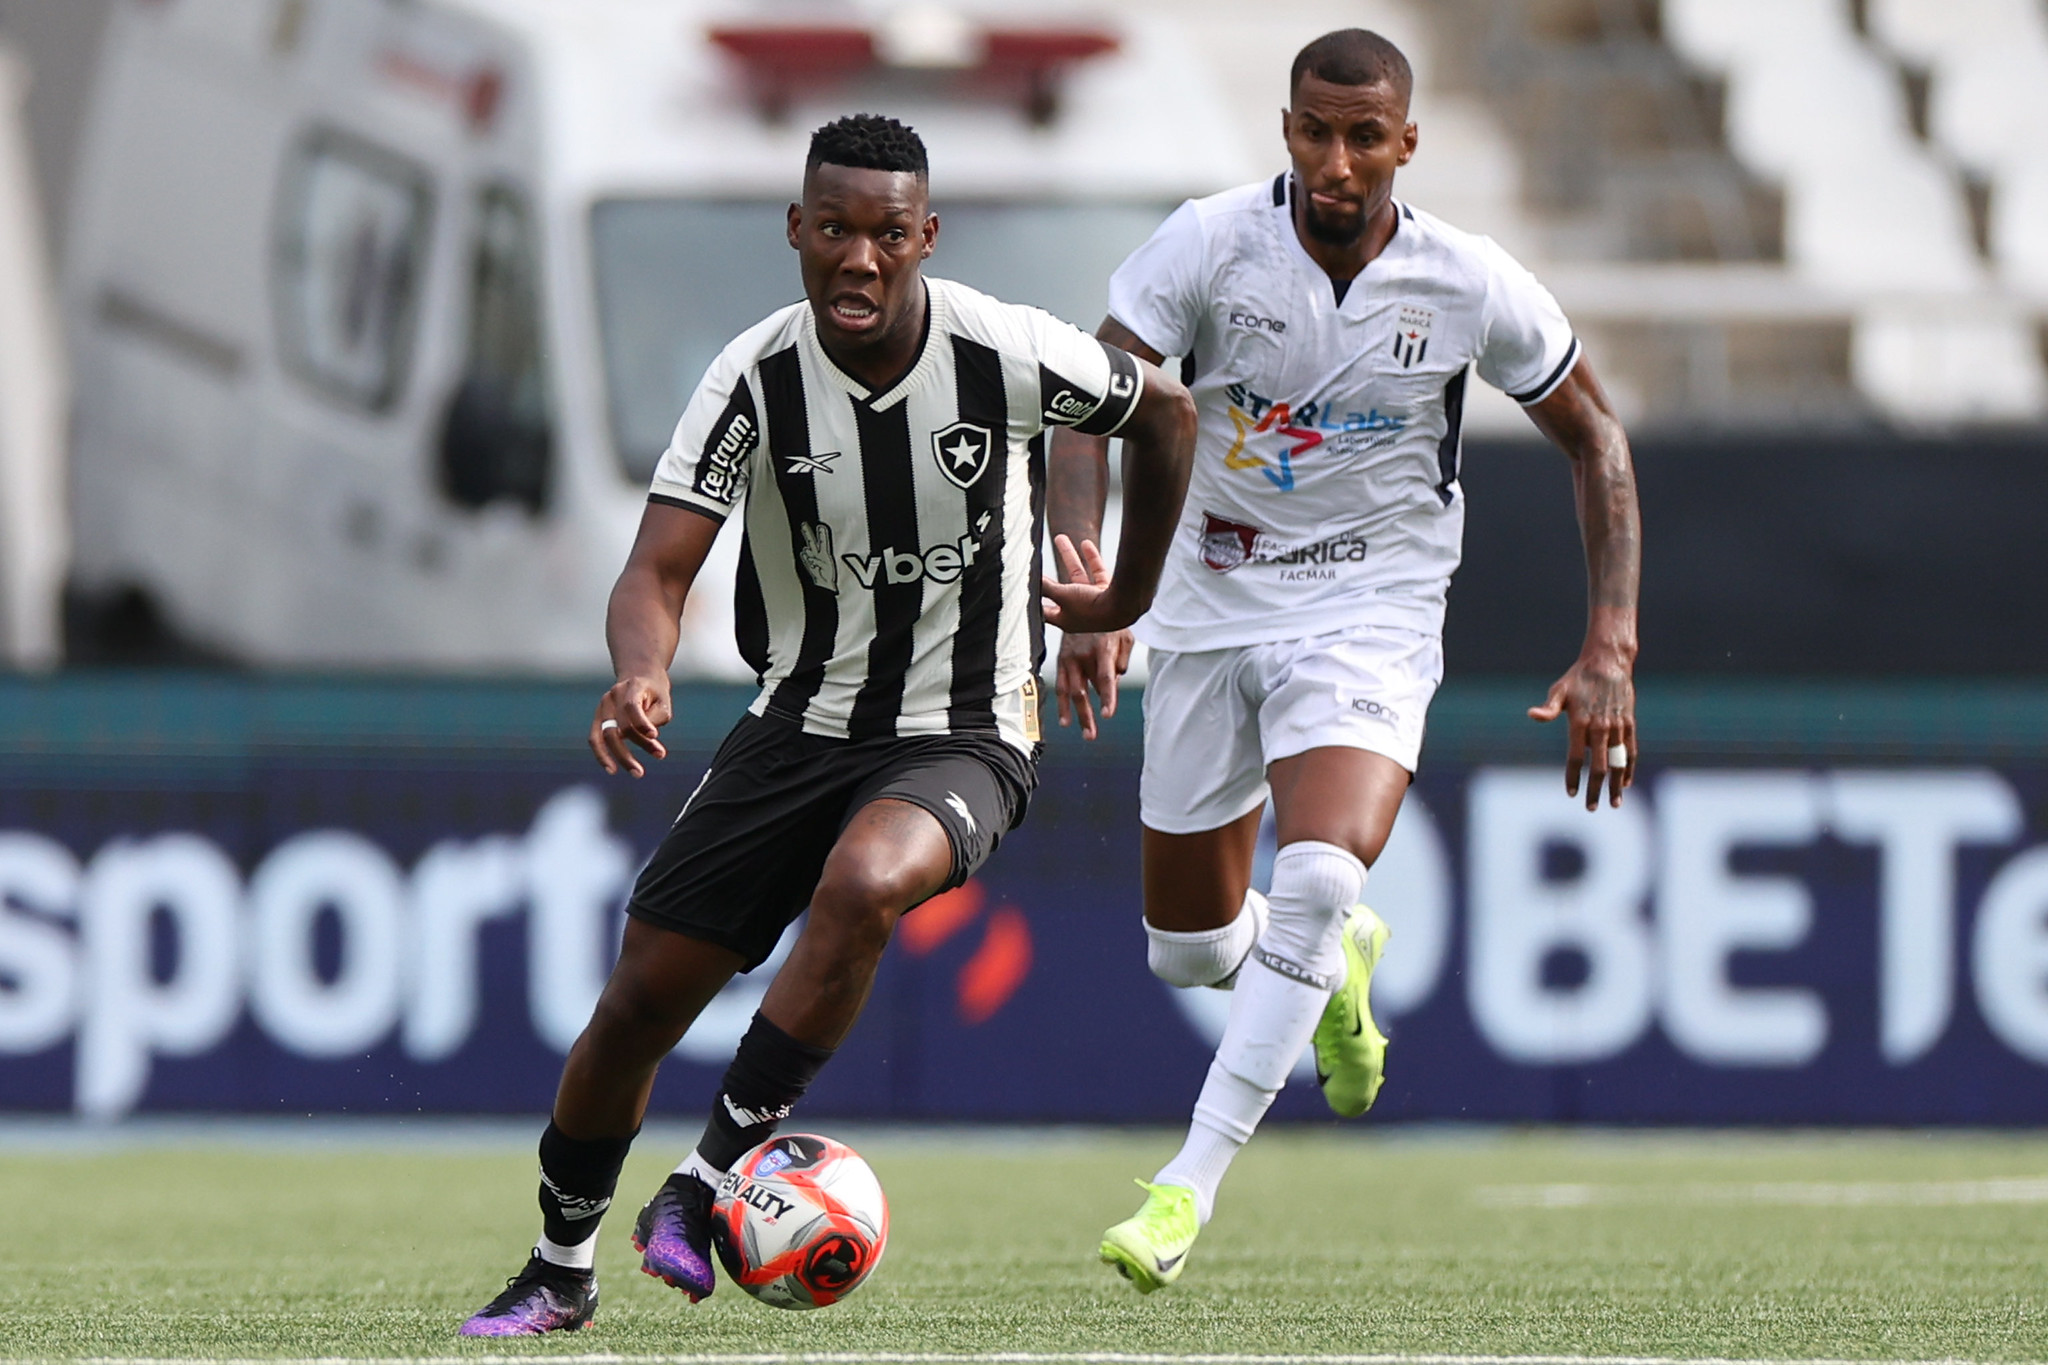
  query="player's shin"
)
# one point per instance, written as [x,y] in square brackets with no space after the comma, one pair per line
[1206,957]
[577,1177]
[1279,997]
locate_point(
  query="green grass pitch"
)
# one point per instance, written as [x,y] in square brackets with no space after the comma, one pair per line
[1887,1246]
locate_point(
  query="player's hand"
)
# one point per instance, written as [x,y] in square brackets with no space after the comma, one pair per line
[634,709]
[1090,661]
[1598,695]
[1086,603]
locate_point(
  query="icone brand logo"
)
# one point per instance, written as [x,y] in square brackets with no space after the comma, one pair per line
[940,563]
[1253,322]
[1302,427]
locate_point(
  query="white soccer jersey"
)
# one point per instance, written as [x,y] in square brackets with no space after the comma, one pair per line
[1325,488]
[888,580]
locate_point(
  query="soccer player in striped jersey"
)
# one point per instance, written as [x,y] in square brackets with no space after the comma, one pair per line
[885,439]
[1327,331]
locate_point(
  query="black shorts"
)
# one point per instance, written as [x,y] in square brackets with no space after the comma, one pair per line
[745,855]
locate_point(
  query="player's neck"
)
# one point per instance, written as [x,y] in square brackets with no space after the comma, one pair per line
[1343,260]
[882,363]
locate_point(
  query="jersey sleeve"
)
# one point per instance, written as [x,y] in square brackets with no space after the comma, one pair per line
[705,465]
[1082,383]
[1528,347]
[1157,291]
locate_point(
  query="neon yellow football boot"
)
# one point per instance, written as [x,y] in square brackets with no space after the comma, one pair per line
[1151,1246]
[1351,1052]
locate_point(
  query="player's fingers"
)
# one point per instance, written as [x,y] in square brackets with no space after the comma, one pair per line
[622,756]
[596,739]
[1086,714]
[1105,682]
[1575,757]
[1552,707]
[1070,561]
[1091,559]
[1124,641]
[1628,773]
[635,725]
[1597,768]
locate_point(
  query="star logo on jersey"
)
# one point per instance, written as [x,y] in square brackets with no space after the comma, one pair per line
[963,452]
[812,464]
[1411,334]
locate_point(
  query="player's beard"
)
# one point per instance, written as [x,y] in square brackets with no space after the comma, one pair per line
[1332,232]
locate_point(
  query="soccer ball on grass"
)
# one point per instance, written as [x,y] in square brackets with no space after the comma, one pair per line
[800,1221]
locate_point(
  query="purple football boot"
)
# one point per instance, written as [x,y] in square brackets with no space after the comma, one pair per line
[544,1297]
[673,1236]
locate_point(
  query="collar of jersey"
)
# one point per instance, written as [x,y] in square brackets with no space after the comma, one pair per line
[935,318]
[1400,239]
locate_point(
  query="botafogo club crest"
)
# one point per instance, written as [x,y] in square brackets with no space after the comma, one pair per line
[963,451]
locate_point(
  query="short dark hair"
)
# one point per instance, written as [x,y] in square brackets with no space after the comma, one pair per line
[868,142]
[1353,56]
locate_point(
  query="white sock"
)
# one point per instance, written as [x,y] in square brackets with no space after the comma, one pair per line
[1280,994]
[1206,957]
[581,1256]
[695,1164]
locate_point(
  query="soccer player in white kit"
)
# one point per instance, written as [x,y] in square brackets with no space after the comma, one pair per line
[1327,332]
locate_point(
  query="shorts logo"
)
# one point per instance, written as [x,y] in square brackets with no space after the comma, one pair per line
[1226,544]
[1411,334]
[815,555]
[960,809]
[962,451]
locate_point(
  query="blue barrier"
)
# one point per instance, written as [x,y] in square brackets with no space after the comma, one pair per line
[1822,904]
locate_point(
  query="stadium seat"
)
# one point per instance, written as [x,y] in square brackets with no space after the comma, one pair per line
[1811,103]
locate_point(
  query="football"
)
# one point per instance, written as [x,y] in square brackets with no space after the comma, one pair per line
[800,1221]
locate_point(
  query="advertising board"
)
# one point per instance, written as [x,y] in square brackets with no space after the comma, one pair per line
[302,897]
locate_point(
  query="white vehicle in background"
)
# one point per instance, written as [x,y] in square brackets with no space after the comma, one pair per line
[381,311]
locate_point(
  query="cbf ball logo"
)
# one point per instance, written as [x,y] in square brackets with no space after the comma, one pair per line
[963,452]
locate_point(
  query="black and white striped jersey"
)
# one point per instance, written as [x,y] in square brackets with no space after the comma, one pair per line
[888,579]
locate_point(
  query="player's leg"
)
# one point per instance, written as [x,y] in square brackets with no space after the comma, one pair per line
[1200,796]
[926,813]
[659,985]
[731,873]
[1341,802]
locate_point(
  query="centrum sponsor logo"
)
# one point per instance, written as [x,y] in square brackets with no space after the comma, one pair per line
[1299,427]
[723,473]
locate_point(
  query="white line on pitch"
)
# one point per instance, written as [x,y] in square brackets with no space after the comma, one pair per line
[1801,1193]
[992,1358]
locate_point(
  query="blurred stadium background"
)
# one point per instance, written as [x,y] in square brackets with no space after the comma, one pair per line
[337,337]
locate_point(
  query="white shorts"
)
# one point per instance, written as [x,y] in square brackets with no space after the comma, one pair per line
[1215,718]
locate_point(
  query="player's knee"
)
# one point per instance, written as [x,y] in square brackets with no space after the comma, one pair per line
[858,902]
[1205,957]
[1314,887]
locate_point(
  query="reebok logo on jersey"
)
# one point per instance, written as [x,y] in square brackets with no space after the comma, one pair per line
[940,563]
[1411,334]
[812,464]
[963,451]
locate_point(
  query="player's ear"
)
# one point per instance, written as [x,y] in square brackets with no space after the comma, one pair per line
[1407,145]
[930,232]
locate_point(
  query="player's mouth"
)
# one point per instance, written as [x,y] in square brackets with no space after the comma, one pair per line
[855,312]
[1334,203]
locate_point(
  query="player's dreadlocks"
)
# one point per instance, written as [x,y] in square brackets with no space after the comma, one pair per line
[869,142]
[1354,56]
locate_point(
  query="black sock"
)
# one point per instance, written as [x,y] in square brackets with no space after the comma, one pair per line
[577,1177]
[768,1075]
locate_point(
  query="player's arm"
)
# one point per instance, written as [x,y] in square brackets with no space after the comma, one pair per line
[643,625]
[1077,489]
[1159,445]
[1597,693]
